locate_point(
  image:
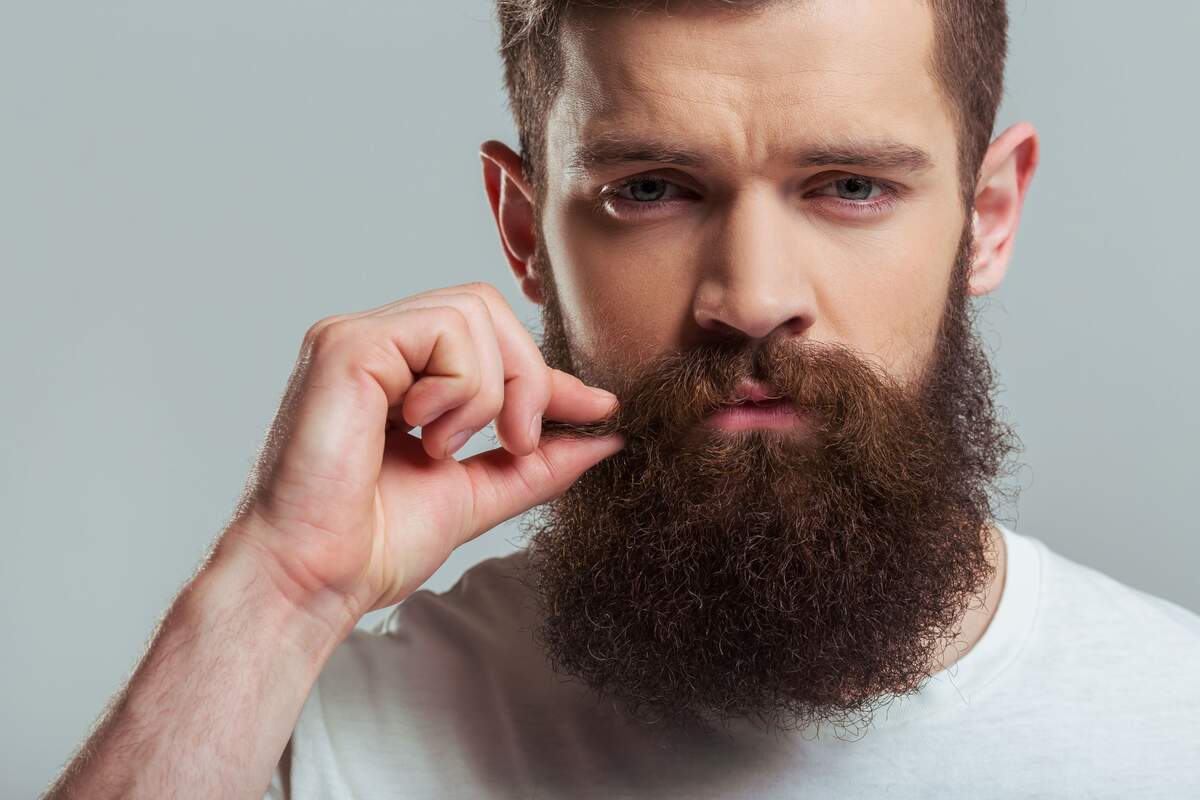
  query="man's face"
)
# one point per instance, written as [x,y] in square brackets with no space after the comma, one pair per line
[808,237]
[791,217]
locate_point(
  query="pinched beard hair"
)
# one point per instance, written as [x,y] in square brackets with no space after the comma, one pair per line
[698,576]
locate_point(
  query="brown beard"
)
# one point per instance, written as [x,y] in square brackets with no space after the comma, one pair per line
[785,578]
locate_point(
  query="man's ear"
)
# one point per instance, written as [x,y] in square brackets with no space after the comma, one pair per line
[512,206]
[1004,176]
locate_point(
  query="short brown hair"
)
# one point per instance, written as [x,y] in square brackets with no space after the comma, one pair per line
[970,46]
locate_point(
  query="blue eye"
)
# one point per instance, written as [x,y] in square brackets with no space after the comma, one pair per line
[652,196]
[644,190]
[855,188]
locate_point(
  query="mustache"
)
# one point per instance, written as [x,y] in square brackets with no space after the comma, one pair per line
[673,392]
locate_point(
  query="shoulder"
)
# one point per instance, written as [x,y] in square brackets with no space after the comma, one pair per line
[432,635]
[441,674]
[479,610]
[1081,592]
[1105,666]
[1095,636]
[436,653]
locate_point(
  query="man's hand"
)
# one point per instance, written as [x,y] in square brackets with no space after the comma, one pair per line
[345,500]
[345,512]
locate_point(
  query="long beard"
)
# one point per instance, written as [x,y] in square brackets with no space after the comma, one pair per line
[698,576]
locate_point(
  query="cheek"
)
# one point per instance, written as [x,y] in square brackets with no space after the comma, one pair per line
[627,292]
[626,295]
[895,311]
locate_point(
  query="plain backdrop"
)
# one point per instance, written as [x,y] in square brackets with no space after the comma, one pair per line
[185,187]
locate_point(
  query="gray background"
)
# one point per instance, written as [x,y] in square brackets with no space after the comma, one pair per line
[185,187]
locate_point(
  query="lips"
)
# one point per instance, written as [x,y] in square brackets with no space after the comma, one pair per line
[756,405]
[771,414]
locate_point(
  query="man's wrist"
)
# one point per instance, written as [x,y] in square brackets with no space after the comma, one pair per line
[237,584]
[228,670]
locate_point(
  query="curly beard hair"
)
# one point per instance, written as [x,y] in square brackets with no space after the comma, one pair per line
[786,578]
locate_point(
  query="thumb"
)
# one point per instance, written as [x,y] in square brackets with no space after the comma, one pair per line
[505,485]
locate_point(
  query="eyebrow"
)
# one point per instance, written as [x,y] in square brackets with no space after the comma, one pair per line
[618,149]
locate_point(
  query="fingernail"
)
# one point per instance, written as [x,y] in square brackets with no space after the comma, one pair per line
[457,440]
[603,393]
[619,441]
[535,428]
[434,414]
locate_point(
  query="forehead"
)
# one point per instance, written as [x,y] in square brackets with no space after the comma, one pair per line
[751,86]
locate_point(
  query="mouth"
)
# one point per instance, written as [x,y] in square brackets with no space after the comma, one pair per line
[769,413]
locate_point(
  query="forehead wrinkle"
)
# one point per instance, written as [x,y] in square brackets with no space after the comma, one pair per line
[612,87]
[742,104]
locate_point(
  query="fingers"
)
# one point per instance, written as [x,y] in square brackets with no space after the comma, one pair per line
[505,484]
[447,411]
[382,356]
[532,390]
[572,400]
[418,347]
[526,384]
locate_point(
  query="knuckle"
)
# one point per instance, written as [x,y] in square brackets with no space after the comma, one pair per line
[330,336]
[456,319]
[492,400]
[473,378]
[475,304]
[483,289]
[319,329]
[541,382]
[538,473]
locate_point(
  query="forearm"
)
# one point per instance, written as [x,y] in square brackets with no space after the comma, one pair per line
[213,701]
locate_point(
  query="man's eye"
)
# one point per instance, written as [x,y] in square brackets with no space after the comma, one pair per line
[644,190]
[855,188]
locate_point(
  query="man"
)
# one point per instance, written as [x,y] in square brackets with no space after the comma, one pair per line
[769,566]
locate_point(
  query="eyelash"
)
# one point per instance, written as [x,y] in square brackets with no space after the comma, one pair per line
[889,197]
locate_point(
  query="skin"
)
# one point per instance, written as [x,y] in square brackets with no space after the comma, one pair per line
[347,511]
[748,239]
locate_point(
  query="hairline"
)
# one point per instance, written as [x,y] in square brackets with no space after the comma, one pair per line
[534,164]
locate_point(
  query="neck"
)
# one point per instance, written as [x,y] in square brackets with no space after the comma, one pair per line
[982,608]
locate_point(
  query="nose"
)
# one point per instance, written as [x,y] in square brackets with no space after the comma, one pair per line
[754,280]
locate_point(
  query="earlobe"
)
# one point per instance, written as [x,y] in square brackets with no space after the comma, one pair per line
[511,202]
[1004,178]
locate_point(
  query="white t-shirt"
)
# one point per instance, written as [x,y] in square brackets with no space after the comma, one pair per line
[1081,687]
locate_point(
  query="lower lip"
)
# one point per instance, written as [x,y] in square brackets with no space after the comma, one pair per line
[747,415]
